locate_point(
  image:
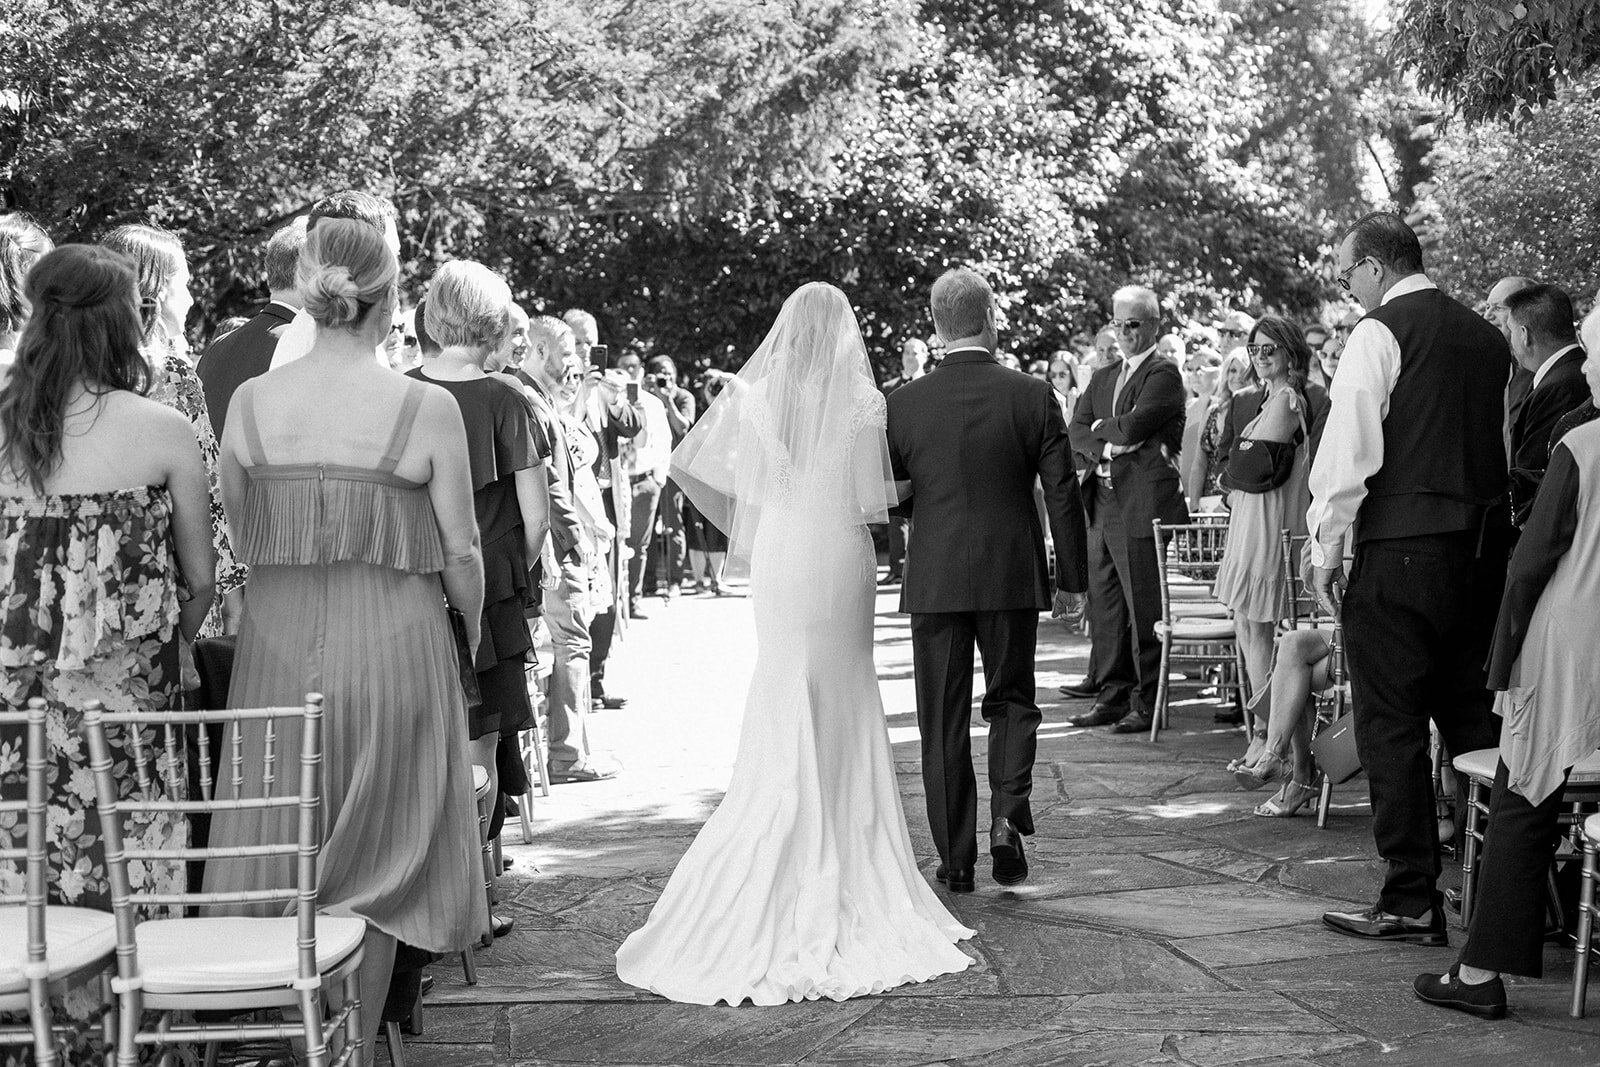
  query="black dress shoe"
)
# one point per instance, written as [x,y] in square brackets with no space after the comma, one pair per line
[1005,846]
[1452,900]
[500,925]
[1375,924]
[1080,690]
[1099,715]
[1135,722]
[1230,716]
[1487,1000]
[427,985]
[892,578]
[958,880]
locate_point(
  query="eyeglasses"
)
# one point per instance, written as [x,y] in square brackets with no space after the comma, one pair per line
[1261,351]
[1060,374]
[1230,333]
[1343,277]
[1127,325]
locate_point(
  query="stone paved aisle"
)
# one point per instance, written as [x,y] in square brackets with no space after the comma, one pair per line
[1163,923]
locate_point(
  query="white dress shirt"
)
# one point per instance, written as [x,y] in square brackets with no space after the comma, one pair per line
[1352,443]
[299,336]
[1550,361]
[651,450]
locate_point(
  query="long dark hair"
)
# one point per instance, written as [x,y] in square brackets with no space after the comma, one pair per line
[1288,336]
[84,327]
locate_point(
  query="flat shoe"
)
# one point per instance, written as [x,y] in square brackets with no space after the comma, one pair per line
[1287,801]
[1487,1000]
[580,773]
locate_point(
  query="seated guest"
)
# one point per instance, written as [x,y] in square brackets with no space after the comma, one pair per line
[1266,473]
[164,294]
[350,487]
[1543,663]
[246,353]
[104,514]
[1302,664]
[468,312]
[1544,343]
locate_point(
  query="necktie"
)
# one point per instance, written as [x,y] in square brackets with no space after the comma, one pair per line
[1122,380]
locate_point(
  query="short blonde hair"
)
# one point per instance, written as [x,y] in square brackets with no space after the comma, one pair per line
[546,330]
[469,306]
[346,270]
[960,301]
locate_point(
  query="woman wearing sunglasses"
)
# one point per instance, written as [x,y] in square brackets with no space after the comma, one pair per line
[1266,476]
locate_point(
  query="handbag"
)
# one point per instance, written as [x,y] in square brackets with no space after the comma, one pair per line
[1258,466]
[213,662]
[1335,749]
[469,676]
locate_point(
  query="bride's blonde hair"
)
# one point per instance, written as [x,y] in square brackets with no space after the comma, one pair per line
[346,269]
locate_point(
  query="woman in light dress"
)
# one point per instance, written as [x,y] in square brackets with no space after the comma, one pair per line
[803,883]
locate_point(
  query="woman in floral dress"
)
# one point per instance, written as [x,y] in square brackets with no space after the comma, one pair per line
[105,550]
[165,302]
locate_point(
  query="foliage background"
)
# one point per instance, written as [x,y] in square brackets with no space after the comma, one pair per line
[679,166]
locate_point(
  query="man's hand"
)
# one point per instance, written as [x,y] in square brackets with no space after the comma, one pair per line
[1328,585]
[1069,606]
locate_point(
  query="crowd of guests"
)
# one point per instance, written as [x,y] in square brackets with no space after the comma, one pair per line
[320,488]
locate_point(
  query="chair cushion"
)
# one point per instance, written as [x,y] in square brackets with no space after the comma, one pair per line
[234,953]
[480,781]
[1199,610]
[1591,829]
[1587,771]
[1479,764]
[73,938]
[1197,630]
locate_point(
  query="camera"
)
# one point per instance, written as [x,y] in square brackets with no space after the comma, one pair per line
[663,381]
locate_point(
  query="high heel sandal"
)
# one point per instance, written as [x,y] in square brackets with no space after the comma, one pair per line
[1258,745]
[1269,768]
[1287,801]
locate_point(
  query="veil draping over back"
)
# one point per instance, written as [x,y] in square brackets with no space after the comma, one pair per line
[787,429]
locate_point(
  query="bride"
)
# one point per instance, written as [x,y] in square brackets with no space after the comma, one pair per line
[802,884]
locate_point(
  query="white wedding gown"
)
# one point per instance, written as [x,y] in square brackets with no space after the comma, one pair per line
[802,884]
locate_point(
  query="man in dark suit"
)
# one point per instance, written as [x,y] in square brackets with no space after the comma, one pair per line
[971,438]
[1127,431]
[1545,344]
[246,353]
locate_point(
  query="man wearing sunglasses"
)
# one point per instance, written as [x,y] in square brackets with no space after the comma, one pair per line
[1412,458]
[1127,432]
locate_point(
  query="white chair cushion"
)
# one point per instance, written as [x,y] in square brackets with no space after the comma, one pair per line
[1479,764]
[480,781]
[1197,630]
[1199,610]
[1587,771]
[236,954]
[1591,829]
[74,938]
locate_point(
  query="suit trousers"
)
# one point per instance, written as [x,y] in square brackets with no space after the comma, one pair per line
[1418,615]
[941,648]
[1508,914]
[641,528]
[1124,607]
[566,612]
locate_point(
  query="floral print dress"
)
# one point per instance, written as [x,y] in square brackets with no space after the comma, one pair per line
[90,612]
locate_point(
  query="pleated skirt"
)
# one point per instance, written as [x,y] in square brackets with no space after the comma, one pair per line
[399,821]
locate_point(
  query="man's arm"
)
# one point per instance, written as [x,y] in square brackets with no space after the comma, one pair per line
[1159,401]
[1085,447]
[1063,503]
[1352,442]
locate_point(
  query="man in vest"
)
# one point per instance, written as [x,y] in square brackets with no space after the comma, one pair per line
[1412,456]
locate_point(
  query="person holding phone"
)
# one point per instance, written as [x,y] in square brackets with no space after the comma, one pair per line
[645,461]
[678,403]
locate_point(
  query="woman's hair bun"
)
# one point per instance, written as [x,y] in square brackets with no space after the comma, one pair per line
[331,295]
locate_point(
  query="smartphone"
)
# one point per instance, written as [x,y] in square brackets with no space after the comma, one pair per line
[599,358]
[633,392]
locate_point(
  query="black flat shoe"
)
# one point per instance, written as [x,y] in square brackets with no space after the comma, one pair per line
[1487,1000]
[959,881]
[1099,715]
[1135,722]
[1375,924]
[1080,690]
[1005,847]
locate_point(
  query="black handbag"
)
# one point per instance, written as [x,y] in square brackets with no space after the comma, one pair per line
[469,676]
[1258,466]
[1335,749]
[213,662]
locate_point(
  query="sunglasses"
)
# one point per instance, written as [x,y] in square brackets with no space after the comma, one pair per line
[1343,277]
[1127,325]
[1230,333]
[1261,351]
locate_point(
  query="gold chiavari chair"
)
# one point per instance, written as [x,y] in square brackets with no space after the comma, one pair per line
[43,947]
[222,962]
[1189,554]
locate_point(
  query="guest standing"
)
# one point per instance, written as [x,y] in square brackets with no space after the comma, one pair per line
[103,516]
[1128,429]
[164,296]
[351,489]
[1545,344]
[1543,660]
[1413,458]
[22,242]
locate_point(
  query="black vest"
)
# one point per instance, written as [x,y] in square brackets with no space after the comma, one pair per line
[1444,461]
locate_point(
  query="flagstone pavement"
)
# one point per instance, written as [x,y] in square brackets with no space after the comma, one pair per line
[1162,924]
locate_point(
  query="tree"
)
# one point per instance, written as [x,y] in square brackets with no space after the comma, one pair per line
[1489,59]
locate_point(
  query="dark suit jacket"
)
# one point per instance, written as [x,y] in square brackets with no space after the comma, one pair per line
[971,437]
[1562,389]
[231,360]
[1150,414]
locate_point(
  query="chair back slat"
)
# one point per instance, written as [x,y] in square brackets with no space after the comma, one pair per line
[236,759]
[269,773]
[34,816]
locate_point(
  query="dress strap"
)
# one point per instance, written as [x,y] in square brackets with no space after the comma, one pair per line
[402,427]
[252,435]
